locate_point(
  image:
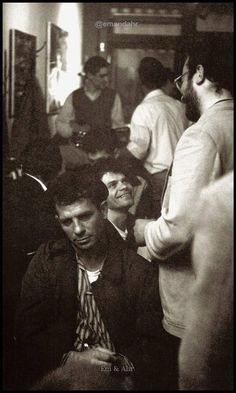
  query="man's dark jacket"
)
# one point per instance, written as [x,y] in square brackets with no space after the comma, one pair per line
[126,293]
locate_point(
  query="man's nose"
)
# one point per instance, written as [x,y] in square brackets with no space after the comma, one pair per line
[122,186]
[78,226]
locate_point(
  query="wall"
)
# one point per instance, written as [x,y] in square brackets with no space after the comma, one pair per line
[32,18]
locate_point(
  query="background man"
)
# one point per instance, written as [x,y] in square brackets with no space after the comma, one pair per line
[203,154]
[156,126]
[91,107]
[87,297]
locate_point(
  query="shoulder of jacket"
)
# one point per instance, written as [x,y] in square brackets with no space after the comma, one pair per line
[53,248]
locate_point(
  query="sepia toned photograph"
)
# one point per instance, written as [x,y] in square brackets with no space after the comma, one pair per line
[118,179]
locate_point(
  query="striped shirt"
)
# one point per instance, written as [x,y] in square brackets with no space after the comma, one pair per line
[91,331]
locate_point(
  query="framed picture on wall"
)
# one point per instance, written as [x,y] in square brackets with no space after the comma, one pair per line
[22,67]
[56,68]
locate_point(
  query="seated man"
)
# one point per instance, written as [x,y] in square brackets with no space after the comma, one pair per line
[87,297]
[120,198]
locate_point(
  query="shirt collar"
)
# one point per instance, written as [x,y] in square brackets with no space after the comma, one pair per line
[153,93]
[123,234]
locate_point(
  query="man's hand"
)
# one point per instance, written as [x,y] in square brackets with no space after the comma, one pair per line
[139,228]
[91,357]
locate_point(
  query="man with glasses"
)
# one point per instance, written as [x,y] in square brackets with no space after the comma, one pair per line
[203,154]
[93,106]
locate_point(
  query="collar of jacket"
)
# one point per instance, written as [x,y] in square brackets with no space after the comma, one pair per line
[116,250]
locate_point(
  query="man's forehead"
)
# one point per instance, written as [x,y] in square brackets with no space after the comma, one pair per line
[81,205]
[109,176]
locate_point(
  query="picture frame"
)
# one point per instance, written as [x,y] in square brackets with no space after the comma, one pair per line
[56,68]
[22,67]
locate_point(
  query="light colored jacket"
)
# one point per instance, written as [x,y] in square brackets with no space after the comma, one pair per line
[206,352]
[203,154]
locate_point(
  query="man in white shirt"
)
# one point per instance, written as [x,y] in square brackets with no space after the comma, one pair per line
[156,126]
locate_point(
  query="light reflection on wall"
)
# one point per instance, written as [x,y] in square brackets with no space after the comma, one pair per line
[70,19]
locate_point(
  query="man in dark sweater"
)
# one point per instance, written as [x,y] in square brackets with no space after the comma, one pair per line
[93,106]
[88,298]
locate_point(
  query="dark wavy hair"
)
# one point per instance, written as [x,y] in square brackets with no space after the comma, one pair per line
[217,60]
[94,64]
[152,73]
[76,184]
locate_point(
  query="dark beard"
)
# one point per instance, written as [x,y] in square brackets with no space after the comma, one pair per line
[191,102]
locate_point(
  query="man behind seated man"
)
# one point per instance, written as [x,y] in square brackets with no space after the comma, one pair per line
[87,297]
[93,106]
[120,198]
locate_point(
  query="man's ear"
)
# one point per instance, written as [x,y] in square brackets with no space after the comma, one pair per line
[200,75]
[104,209]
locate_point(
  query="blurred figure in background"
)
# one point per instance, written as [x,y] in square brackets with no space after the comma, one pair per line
[156,126]
[206,351]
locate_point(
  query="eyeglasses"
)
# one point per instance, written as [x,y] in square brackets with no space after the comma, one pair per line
[178,81]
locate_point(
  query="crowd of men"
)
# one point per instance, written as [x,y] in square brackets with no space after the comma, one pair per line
[132,286]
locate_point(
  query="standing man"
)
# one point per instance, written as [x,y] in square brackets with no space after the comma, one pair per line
[87,297]
[206,351]
[156,126]
[203,154]
[93,106]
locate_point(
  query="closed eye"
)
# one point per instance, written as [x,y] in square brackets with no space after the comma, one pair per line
[66,222]
[112,184]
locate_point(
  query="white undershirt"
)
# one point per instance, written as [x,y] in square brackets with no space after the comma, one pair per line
[93,276]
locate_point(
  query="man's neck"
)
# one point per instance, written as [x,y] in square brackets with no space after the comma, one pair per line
[118,218]
[93,260]
[210,99]
[90,88]
[146,90]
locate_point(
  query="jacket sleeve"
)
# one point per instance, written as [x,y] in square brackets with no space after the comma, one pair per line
[35,353]
[146,352]
[196,163]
